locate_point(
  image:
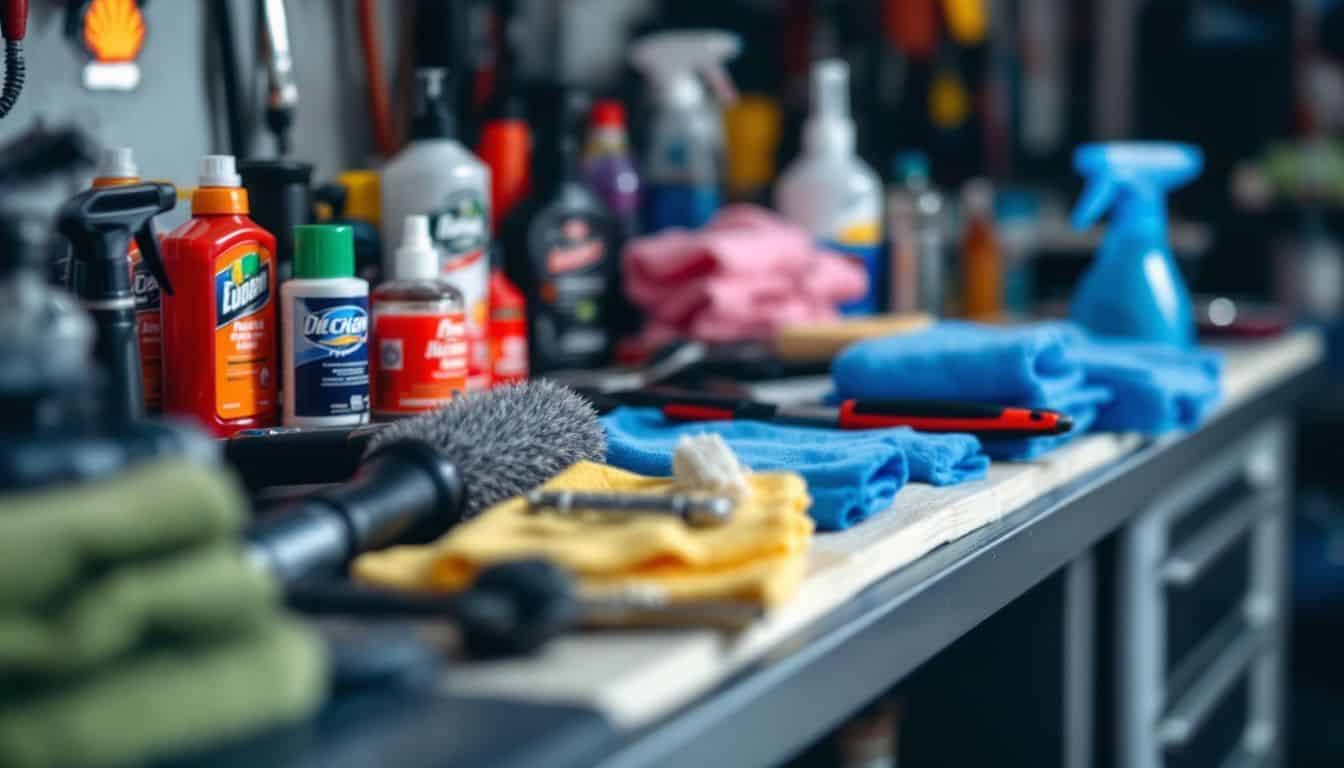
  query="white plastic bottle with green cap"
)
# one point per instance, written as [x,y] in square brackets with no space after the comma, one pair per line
[325,314]
[829,190]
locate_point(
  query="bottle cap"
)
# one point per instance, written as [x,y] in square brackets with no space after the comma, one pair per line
[324,250]
[607,113]
[219,171]
[417,259]
[117,163]
[672,61]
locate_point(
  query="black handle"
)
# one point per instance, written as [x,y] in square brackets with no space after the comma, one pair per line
[658,398]
[403,492]
[116,347]
[512,608]
[934,409]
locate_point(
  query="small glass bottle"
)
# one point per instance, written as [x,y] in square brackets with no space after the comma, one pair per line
[419,331]
[981,261]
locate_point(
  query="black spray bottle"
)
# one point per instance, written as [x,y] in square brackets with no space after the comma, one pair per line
[100,224]
[559,249]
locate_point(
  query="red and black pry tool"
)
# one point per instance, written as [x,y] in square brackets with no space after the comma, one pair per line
[986,421]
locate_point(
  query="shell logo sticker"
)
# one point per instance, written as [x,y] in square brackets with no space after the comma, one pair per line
[112,32]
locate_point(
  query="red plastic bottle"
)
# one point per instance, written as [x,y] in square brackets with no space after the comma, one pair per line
[508,330]
[506,149]
[219,323]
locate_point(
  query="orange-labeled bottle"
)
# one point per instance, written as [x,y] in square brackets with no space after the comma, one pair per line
[219,323]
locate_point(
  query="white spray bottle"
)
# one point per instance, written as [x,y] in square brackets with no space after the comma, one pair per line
[829,190]
[684,160]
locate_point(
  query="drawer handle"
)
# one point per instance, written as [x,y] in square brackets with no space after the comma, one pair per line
[1185,564]
[1194,706]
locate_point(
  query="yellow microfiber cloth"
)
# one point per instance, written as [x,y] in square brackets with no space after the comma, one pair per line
[759,555]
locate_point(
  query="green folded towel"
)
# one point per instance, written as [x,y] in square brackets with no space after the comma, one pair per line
[166,701]
[51,540]
[197,594]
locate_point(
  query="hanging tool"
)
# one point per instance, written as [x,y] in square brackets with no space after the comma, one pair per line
[282,91]
[99,224]
[380,109]
[13,27]
[221,20]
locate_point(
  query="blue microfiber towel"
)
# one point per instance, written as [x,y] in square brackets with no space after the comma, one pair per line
[850,475]
[1154,388]
[1105,384]
[963,361]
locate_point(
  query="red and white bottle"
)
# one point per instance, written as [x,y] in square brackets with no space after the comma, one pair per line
[419,331]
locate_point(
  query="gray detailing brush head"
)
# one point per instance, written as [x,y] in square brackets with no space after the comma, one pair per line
[508,440]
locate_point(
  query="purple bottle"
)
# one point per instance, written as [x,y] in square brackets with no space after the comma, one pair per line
[608,168]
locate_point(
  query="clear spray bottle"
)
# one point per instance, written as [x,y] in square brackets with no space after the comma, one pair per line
[683,165]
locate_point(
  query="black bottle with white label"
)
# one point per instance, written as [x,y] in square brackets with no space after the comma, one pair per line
[558,248]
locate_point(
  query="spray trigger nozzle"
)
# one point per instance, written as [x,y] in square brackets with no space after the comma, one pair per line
[1137,173]
[673,59]
[100,224]
[1098,195]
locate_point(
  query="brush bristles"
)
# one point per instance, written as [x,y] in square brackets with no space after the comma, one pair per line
[508,440]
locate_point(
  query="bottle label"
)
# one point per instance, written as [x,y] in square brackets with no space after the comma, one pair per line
[331,355]
[244,345]
[858,235]
[149,329]
[461,227]
[508,347]
[572,300]
[679,205]
[421,361]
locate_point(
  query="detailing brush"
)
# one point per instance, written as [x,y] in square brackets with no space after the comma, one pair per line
[423,475]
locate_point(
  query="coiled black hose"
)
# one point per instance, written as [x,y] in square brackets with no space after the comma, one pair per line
[15,73]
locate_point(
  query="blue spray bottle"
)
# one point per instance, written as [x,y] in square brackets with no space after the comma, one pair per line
[1134,288]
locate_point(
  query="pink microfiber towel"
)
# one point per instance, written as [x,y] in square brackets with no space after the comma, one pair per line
[743,276]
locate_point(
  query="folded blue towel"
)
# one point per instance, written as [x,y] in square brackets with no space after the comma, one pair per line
[1105,384]
[1154,388]
[850,475]
[963,361]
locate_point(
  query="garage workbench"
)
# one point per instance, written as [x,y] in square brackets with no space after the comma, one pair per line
[886,596]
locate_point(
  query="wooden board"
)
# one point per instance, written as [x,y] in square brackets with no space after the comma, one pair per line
[635,677]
